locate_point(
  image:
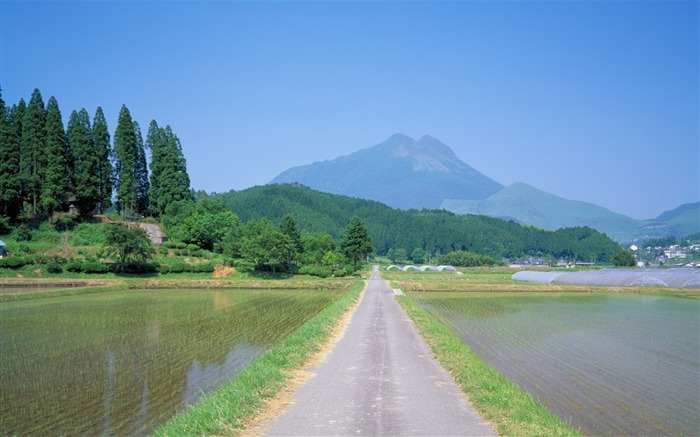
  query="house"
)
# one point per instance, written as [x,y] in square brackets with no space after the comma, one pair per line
[3,252]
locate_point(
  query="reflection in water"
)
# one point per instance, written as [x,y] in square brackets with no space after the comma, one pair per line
[202,380]
[121,363]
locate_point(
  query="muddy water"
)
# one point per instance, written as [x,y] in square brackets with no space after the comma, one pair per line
[608,364]
[121,363]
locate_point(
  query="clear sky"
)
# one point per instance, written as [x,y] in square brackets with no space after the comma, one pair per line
[594,100]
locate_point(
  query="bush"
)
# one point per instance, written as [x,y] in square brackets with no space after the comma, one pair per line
[320,271]
[180,246]
[243,265]
[23,233]
[64,222]
[192,247]
[13,262]
[94,267]
[168,244]
[203,268]
[54,267]
[343,271]
[140,267]
[179,267]
[74,267]
[5,227]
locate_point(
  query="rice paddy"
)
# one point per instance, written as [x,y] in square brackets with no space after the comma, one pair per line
[123,362]
[609,364]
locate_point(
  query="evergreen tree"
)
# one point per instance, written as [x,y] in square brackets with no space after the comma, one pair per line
[141,173]
[126,154]
[169,179]
[54,192]
[355,242]
[292,237]
[32,160]
[86,173]
[9,164]
[156,143]
[103,149]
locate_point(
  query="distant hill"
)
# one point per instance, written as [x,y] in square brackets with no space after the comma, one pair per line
[434,231]
[400,172]
[528,205]
[681,222]
[404,173]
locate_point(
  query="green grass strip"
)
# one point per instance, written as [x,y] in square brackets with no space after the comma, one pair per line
[510,409]
[222,412]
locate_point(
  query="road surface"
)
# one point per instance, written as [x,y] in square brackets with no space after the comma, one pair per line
[380,379]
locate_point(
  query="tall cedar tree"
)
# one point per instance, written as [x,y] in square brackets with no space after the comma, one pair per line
[141,173]
[126,154]
[169,179]
[9,163]
[54,192]
[86,172]
[155,142]
[355,242]
[293,246]
[101,142]
[32,160]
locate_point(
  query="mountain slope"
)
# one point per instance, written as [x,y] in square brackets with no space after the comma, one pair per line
[681,221]
[529,205]
[434,231]
[400,172]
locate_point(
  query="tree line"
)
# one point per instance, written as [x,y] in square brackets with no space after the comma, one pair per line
[45,167]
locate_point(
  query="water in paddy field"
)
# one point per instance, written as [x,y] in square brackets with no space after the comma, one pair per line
[610,364]
[122,363]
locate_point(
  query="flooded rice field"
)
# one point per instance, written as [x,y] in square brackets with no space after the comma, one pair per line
[609,364]
[121,363]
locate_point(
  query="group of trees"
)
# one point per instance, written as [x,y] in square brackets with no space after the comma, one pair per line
[211,225]
[43,165]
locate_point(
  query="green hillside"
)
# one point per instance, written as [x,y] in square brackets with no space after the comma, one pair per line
[434,231]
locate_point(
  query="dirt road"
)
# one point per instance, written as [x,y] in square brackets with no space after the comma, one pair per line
[380,379]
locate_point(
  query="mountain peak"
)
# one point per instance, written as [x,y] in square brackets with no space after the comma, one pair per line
[401,172]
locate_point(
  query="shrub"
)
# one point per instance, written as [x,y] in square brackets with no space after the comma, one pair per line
[54,267]
[23,233]
[13,262]
[5,227]
[88,234]
[94,267]
[164,269]
[74,267]
[243,265]
[168,244]
[198,253]
[203,268]
[140,267]
[180,246]
[179,267]
[64,222]
[192,247]
[320,271]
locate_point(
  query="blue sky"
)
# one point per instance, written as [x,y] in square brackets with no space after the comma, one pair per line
[595,101]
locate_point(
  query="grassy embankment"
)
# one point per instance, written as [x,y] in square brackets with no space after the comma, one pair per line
[224,411]
[510,409]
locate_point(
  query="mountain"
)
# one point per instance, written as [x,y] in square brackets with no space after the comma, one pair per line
[529,205]
[400,172]
[404,173]
[681,222]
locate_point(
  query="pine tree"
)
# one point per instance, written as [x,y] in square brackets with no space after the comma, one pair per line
[355,242]
[141,173]
[103,149]
[126,154]
[86,173]
[54,193]
[9,164]
[32,160]
[169,179]
[155,142]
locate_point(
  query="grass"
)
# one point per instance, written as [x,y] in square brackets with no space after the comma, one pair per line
[511,410]
[224,411]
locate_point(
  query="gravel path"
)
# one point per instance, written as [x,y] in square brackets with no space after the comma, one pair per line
[380,379]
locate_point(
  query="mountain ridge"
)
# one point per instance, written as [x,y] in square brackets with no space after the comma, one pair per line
[408,174]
